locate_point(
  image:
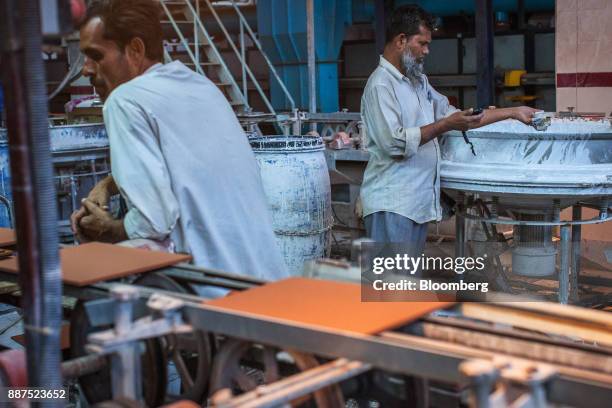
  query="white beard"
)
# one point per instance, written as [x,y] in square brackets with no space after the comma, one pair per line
[413,68]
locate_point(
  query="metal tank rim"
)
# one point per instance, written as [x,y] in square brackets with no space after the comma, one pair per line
[279,144]
[58,131]
[500,178]
[3,130]
[559,129]
[476,134]
[582,177]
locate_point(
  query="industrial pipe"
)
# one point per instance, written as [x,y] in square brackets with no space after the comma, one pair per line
[312,74]
[82,366]
[33,190]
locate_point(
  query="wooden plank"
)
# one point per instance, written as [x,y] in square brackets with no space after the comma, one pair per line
[529,349]
[96,262]
[586,326]
[324,304]
[579,314]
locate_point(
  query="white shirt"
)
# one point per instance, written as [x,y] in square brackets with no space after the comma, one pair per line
[401,176]
[186,171]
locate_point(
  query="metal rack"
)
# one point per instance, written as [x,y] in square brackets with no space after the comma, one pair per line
[214,62]
[570,238]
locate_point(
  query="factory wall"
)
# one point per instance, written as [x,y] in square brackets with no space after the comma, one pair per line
[583,62]
[584,81]
[360,58]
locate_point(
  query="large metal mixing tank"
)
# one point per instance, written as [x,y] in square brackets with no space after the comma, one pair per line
[527,169]
[523,177]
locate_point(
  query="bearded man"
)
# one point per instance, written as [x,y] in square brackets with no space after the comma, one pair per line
[403,115]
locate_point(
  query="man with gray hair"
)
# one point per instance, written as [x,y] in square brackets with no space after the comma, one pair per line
[404,115]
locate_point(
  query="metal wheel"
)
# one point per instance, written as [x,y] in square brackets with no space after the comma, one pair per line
[96,386]
[231,372]
[191,353]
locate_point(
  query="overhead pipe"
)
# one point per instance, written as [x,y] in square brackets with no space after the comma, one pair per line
[33,190]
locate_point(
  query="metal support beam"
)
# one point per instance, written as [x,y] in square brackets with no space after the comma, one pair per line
[126,376]
[33,189]
[312,74]
[564,264]
[380,24]
[521,14]
[460,50]
[460,227]
[390,351]
[576,239]
[485,88]
[282,392]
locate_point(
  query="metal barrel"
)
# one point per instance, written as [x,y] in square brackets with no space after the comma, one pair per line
[80,155]
[296,182]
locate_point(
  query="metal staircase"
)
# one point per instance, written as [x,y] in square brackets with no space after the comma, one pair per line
[198,51]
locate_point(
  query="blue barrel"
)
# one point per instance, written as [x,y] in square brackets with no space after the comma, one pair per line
[296,182]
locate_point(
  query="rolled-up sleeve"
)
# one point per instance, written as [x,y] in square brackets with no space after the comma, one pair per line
[140,171]
[384,125]
[442,107]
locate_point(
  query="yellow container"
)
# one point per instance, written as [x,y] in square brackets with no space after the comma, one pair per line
[513,78]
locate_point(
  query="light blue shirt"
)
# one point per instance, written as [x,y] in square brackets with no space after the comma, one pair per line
[186,171]
[402,176]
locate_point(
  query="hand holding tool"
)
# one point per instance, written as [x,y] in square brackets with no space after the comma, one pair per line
[476,111]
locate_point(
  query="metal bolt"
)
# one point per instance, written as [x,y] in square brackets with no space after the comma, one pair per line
[357,249]
[124,293]
[482,376]
[534,376]
[164,304]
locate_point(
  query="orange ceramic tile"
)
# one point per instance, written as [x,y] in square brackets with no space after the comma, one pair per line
[182,404]
[96,262]
[324,304]
[7,237]
[64,337]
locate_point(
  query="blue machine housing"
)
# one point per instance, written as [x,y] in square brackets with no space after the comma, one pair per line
[282,31]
